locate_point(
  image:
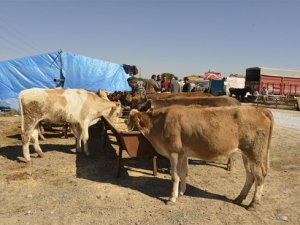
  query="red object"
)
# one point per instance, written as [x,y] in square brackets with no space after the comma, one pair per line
[211,76]
[165,84]
[277,81]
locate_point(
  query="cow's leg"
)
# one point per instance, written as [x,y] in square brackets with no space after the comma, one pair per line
[78,144]
[248,183]
[35,141]
[41,130]
[64,131]
[259,180]
[85,138]
[230,161]
[183,174]
[26,136]
[78,136]
[27,132]
[174,176]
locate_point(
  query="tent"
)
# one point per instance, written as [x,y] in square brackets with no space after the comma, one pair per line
[211,76]
[58,69]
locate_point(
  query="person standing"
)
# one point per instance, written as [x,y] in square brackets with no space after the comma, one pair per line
[165,84]
[158,80]
[265,94]
[255,95]
[174,85]
[151,85]
[187,85]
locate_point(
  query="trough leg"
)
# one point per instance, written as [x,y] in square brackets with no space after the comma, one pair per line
[154,159]
[119,162]
[105,137]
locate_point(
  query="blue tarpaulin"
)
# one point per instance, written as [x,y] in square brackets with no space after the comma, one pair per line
[41,71]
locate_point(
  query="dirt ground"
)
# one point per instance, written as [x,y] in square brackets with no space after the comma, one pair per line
[69,188]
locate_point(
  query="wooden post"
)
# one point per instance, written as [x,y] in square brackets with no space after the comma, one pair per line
[154,165]
[119,162]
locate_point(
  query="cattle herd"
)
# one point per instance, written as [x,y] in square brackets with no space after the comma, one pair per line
[178,125]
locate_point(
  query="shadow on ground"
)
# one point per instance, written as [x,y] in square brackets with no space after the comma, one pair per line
[102,168]
[15,153]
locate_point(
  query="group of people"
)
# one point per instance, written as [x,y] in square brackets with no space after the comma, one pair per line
[158,84]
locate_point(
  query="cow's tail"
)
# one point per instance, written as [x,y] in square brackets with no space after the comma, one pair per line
[267,158]
[21,111]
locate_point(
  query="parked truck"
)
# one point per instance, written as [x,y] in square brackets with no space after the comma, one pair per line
[277,81]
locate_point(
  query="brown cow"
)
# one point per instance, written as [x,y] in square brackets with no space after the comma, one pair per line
[205,101]
[178,132]
[79,108]
[165,95]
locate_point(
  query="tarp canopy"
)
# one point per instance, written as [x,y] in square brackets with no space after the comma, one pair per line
[211,76]
[41,71]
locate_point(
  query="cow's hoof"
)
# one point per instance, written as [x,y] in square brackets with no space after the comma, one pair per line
[28,161]
[181,193]
[41,154]
[169,202]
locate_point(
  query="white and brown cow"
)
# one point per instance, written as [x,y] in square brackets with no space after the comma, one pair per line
[79,108]
[178,132]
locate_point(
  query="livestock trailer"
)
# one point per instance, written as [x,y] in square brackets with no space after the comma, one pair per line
[277,81]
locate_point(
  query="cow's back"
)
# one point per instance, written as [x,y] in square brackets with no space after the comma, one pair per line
[205,101]
[56,105]
[165,95]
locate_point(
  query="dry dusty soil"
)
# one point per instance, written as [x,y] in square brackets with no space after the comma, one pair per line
[69,188]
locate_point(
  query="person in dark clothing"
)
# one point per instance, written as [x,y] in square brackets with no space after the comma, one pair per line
[158,80]
[187,85]
[135,87]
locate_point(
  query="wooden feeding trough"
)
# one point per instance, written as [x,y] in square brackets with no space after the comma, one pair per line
[133,142]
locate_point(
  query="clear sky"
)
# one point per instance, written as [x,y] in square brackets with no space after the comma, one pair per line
[182,37]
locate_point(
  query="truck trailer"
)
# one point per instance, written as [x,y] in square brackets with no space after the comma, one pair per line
[277,81]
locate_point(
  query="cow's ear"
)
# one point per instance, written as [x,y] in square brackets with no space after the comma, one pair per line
[133,112]
[148,105]
[151,104]
[102,94]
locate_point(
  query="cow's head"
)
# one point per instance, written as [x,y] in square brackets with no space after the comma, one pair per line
[137,100]
[115,111]
[103,94]
[133,121]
